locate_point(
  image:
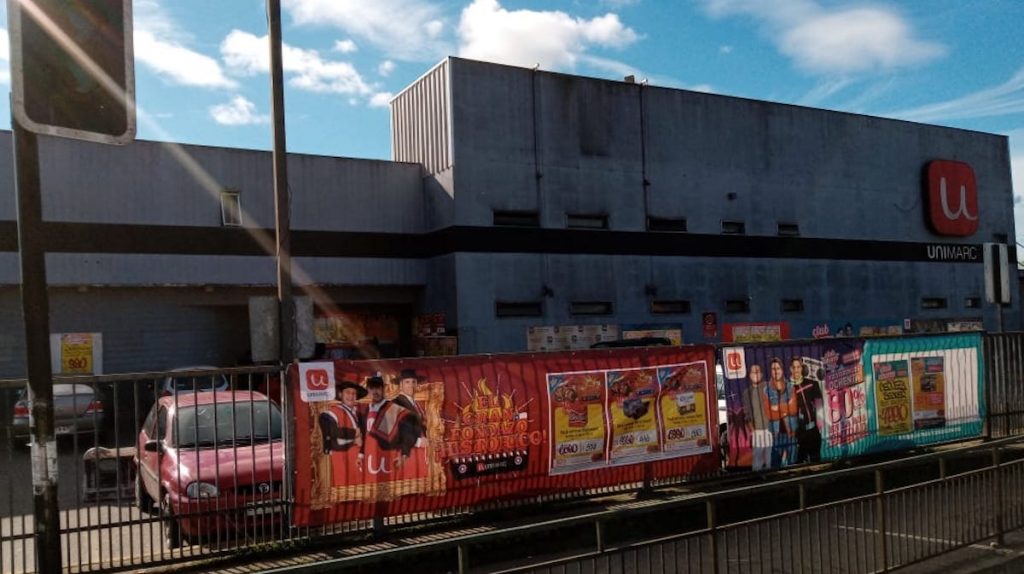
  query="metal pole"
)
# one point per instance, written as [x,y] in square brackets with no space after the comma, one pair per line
[712,518]
[997,479]
[282,213]
[35,307]
[281,196]
[881,543]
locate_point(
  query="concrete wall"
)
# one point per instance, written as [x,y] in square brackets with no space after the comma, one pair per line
[558,144]
[154,183]
[833,292]
[837,175]
[159,328]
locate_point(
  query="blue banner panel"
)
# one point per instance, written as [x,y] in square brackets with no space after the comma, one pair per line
[793,403]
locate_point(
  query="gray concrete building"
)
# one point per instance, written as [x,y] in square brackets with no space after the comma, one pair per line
[522,198]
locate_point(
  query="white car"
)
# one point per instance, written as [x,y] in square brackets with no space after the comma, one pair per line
[192,380]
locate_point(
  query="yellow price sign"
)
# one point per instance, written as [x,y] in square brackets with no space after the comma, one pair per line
[76,353]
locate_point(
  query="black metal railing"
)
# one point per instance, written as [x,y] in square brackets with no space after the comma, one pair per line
[126,471]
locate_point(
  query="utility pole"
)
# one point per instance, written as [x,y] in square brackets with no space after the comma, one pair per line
[282,213]
[282,207]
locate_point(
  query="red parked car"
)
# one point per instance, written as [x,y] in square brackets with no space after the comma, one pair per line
[212,462]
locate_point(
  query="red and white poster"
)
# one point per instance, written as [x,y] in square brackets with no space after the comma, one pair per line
[416,435]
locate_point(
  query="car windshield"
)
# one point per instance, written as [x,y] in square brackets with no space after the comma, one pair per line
[199,383]
[226,423]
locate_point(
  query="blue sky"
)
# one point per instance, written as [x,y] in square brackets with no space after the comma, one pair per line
[201,65]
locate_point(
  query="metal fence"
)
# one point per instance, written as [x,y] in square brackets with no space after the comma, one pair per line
[1004,383]
[151,469]
[888,527]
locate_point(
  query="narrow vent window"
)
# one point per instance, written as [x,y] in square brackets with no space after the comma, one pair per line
[578,221]
[517,218]
[509,309]
[670,307]
[590,308]
[933,303]
[789,229]
[737,306]
[667,224]
[733,227]
[792,305]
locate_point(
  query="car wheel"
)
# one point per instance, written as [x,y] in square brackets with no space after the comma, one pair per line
[172,530]
[142,498]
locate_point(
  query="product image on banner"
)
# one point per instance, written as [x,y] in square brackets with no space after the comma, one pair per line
[577,420]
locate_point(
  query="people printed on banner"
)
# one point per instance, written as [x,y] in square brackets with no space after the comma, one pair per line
[782,410]
[377,440]
[782,414]
[757,408]
[809,405]
[343,429]
[414,462]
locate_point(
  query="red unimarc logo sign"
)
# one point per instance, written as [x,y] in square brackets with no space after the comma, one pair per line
[317,380]
[952,198]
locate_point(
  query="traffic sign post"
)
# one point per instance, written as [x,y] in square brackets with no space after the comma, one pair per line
[997,279]
[72,68]
[72,75]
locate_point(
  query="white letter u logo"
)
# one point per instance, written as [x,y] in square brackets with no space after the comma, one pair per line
[961,208]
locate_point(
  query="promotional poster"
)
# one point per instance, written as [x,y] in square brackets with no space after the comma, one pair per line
[833,398]
[416,435]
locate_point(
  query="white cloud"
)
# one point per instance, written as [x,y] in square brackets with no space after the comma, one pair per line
[433,28]
[835,41]
[345,46]
[385,68]
[381,99]
[553,39]
[238,112]
[857,40]
[247,54]
[725,49]
[1006,98]
[402,29]
[160,46]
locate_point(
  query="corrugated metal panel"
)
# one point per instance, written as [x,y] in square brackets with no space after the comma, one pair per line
[420,120]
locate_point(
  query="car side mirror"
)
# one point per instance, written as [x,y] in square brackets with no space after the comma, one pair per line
[154,446]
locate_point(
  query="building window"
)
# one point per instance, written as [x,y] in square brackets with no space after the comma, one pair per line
[792,305]
[230,209]
[737,306]
[972,303]
[1000,238]
[933,303]
[733,227]
[668,224]
[789,229]
[578,221]
[509,309]
[670,307]
[517,218]
[590,308]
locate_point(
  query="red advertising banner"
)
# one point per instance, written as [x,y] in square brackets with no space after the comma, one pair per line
[755,332]
[425,434]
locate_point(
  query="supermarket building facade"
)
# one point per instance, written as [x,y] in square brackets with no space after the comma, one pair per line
[527,210]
